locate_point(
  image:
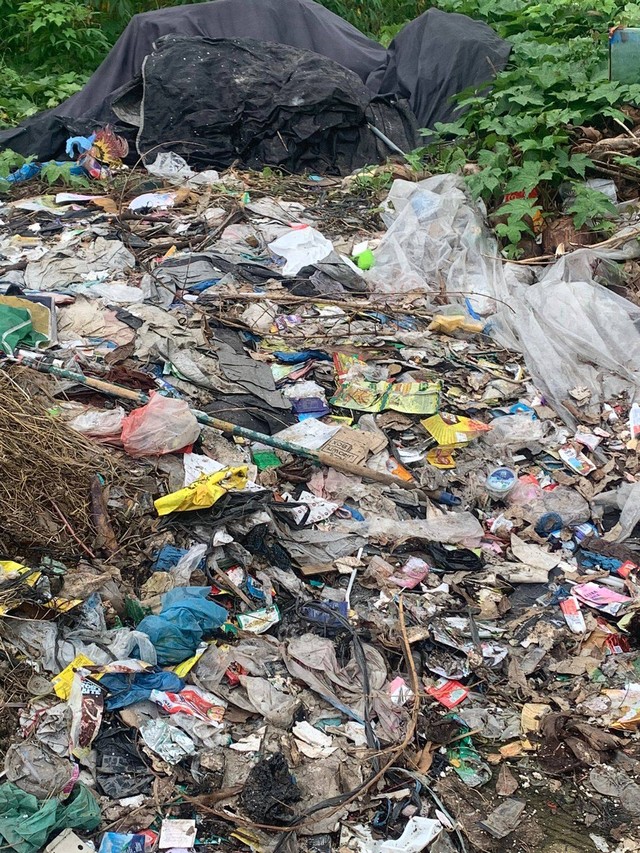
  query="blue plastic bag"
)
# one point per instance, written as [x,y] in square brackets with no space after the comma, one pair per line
[186,616]
[128,688]
[118,842]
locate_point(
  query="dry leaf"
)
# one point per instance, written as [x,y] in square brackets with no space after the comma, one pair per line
[506,783]
[426,758]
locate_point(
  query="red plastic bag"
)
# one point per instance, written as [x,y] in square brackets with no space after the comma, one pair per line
[162,426]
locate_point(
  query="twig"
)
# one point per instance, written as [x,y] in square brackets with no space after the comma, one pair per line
[71,530]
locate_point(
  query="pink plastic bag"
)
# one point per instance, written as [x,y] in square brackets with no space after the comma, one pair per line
[162,426]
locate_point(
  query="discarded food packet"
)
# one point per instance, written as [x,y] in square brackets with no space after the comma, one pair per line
[359,394]
[116,842]
[399,691]
[259,621]
[584,531]
[453,430]
[448,693]
[626,568]
[193,702]
[167,741]
[575,460]
[321,617]
[573,615]
[602,598]
[63,680]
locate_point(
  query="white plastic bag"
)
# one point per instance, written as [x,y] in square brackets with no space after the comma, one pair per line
[172,168]
[437,239]
[575,333]
[99,423]
[300,247]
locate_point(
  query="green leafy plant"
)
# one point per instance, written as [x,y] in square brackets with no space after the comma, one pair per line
[519,215]
[60,173]
[520,134]
[590,206]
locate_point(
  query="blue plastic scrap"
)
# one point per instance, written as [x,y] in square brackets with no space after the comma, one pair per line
[128,688]
[169,556]
[186,616]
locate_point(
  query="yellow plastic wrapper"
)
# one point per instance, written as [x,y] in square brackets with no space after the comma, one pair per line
[449,323]
[453,430]
[63,680]
[206,490]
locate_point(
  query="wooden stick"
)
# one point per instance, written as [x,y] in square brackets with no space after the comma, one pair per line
[317,456]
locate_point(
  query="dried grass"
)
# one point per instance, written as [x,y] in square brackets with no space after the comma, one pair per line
[45,476]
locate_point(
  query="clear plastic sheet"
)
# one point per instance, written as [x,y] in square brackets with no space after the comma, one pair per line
[437,241]
[574,333]
[571,329]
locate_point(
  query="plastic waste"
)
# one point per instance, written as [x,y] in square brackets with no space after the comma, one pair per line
[174,169]
[300,247]
[167,741]
[118,842]
[565,502]
[187,564]
[418,833]
[516,432]
[451,527]
[164,425]
[588,340]
[128,688]
[186,616]
[100,424]
[628,499]
[32,767]
[548,523]
[525,491]
[437,238]
[500,482]
[26,823]
[204,492]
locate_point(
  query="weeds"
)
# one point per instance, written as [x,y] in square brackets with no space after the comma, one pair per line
[521,133]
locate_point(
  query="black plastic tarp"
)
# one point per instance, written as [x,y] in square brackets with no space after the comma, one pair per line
[298,23]
[432,58]
[271,104]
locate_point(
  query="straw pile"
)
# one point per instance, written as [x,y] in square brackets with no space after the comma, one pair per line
[45,476]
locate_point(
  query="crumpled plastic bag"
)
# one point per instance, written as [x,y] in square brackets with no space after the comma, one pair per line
[628,500]
[174,169]
[36,770]
[127,688]
[164,425]
[273,705]
[516,432]
[436,238]
[26,823]
[186,616]
[167,741]
[202,494]
[103,425]
[573,332]
[300,247]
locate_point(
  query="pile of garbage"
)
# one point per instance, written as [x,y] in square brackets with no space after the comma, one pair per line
[319,522]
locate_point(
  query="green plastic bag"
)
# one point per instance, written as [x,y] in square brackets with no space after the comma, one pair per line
[26,822]
[16,328]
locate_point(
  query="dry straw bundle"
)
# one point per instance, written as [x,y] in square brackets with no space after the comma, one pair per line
[45,477]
